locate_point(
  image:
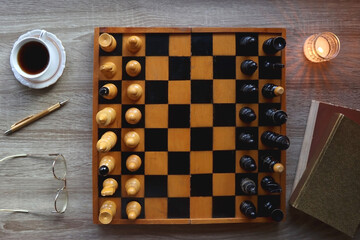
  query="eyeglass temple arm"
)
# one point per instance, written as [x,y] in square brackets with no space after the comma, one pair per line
[14,210]
[13,156]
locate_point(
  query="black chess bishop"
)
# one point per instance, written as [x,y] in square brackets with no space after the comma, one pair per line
[275,140]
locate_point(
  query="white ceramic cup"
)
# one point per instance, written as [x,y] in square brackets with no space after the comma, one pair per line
[15,51]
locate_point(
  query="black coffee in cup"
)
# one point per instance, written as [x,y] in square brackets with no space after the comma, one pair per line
[33,57]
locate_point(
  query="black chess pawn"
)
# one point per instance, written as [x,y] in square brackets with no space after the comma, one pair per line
[273,66]
[103,170]
[248,42]
[270,164]
[247,163]
[273,45]
[275,213]
[248,67]
[104,91]
[108,91]
[248,89]
[276,116]
[248,209]
[246,138]
[247,115]
[269,185]
[248,186]
[275,140]
[270,90]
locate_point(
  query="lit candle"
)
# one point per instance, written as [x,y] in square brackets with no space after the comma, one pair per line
[321,47]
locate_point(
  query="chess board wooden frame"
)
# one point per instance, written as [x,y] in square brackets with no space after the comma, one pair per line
[97,201]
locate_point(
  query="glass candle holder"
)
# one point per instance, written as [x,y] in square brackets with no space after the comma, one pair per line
[321,47]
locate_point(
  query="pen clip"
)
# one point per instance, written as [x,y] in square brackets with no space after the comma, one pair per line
[22,120]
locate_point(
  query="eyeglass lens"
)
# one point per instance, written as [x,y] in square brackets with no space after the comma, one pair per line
[59,167]
[61,200]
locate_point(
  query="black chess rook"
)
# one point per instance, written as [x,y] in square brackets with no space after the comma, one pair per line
[275,213]
[275,116]
[269,185]
[247,163]
[247,115]
[248,209]
[275,140]
[248,67]
[273,45]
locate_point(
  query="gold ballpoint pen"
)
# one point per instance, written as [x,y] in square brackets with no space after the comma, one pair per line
[32,118]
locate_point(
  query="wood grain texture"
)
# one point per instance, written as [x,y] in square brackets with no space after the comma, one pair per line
[68,131]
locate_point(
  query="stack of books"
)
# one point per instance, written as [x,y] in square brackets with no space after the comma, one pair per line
[327,180]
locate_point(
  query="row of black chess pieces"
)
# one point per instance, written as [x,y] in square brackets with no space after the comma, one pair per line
[268,183]
[249,210]
[270,47]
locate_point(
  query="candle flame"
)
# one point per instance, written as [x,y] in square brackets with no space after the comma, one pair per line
[320,50]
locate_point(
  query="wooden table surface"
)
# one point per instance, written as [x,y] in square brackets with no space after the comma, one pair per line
[28,183]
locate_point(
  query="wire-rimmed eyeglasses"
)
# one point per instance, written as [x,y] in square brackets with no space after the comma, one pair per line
[59,171]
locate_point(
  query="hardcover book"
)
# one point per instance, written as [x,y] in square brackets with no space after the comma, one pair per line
[319,114]
[329,188]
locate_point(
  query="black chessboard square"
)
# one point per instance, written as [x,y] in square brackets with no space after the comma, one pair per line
[125,155]
[239,177]
[117,99]
[178,207]
[201,139]
[156,92]
[140,124]
[201,44]
[179,68]
[156,186]
[101,180]
[118,49]
[224,67]
[253,131]
[178,163]
[224,114]
[246,50]
[224,161]
[275,154]
[223,207]
[201,185]
[269,73]
[157,44]
[179,116]
[263,107]
[201,91]
[262,200]
[141,75]
[156,139]
[125,201]
[117,131]
[242,97]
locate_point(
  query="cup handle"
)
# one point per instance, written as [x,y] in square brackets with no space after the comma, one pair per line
[43,35]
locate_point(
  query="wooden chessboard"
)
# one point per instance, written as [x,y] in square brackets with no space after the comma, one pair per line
[190,172]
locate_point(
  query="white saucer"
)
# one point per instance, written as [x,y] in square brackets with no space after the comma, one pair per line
[50,77]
